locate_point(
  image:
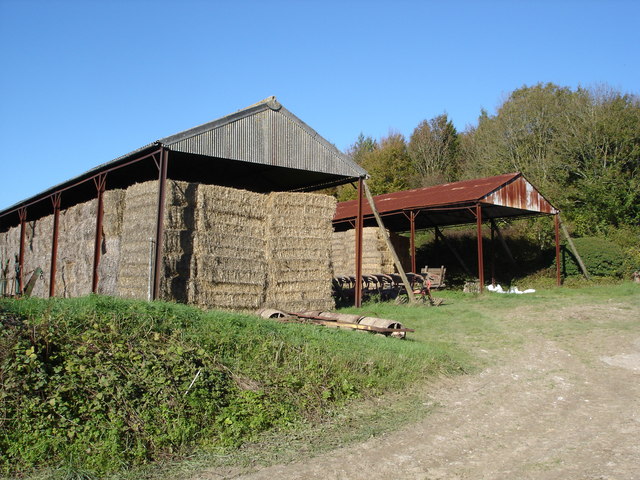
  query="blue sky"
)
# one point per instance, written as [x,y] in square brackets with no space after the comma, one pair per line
[84,82]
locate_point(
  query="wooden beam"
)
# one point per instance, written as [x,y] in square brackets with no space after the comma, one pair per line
[383,232]
[574,250]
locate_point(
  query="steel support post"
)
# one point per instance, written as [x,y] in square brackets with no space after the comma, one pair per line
[55,200]
[359,228]
[100,182]
[22,214]
[480,257]
[162,184]
[493,253]
[557,231]
[412,220]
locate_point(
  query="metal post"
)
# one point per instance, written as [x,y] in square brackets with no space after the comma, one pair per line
[22,214]
[359,228]
[100,182]
[557,229]
[55,200]
[412,220]
[493,254]
[480,257]
[162,183]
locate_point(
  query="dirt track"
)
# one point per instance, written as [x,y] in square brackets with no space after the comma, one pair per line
[563,406]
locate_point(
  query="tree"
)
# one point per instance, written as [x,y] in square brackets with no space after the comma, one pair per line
[358,152]
[581,148]
[433,149]
[388,165]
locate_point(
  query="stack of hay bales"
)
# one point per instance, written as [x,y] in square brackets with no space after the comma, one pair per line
[138,233]
[9,250]
[74,270]
[113,204]
[38,253]
[179,225]
[229,268]
[222,247]
[299,235]
[376,256]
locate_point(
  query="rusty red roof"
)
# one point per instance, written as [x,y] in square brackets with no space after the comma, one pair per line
[503,195]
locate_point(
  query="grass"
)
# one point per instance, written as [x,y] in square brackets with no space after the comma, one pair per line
[98,385]
[330,387]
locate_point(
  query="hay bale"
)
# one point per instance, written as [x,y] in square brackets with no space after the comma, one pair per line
[10,250]
[298,251]
[114,206]
[74,270]
[376,257]
[179,227]
[138,233]
[229,268]
[38,253]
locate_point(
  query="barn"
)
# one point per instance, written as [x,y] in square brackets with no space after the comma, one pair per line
[221,215]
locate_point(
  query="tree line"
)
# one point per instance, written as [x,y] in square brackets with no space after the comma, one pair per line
[579,147]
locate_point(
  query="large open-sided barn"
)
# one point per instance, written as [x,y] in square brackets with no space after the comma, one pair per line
[218,215]
[476,201]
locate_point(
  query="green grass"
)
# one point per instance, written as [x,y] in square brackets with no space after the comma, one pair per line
[96,385]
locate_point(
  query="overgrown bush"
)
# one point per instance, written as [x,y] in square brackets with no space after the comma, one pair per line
[601,257]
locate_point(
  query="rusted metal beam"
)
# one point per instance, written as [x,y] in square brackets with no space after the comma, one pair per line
[100,182]
[493,253]
[162,184]
[56,199]
[359,228]
[556,221]
[480,256]
[79,182]
[22,214]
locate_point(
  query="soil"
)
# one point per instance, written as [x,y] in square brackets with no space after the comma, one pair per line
[563,404]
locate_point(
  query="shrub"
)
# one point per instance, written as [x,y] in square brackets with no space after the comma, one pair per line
[602,257]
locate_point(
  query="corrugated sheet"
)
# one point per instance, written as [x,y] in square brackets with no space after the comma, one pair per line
[265,133]
[509,190]
[522,195]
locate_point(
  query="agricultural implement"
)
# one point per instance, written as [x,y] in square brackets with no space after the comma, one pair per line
[381,326]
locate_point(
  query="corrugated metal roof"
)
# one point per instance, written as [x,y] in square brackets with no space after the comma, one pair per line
[265,133]
[510,191]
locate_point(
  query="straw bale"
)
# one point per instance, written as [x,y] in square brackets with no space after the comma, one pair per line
[299,244]
[376,257]
[229,249]
[38,253]
[74,269]
[138,233]
[239,203]
[114,205]
[10,250]
[179,226]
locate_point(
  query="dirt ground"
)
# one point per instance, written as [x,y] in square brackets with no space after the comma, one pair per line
[564,404]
